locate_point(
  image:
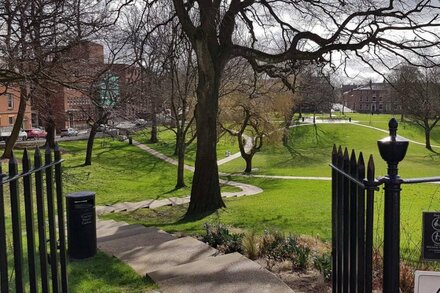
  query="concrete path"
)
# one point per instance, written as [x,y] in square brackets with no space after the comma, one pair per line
[184,264]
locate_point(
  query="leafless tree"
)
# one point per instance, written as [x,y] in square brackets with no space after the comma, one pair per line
[318,31]
[419,89]
[182,75]
[246,114]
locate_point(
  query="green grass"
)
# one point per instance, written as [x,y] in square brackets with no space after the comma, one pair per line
[167,142]
[407,128]
[105,274]
[119,172]
[311,149]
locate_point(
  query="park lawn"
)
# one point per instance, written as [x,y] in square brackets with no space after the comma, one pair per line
[102,273]
[120,172]
[297,207]
[407,128]
[311,150]
[167,142]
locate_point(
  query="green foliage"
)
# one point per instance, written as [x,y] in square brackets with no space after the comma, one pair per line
[102,273]
[301,257]
[218,236]
[323,263]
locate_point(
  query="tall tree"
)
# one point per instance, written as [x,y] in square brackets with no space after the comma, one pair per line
[419,89]
[320,31]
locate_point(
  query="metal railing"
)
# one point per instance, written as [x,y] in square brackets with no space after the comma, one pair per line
[42,260]
[353,211]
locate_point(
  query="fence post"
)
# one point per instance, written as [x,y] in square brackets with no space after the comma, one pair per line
[392,149]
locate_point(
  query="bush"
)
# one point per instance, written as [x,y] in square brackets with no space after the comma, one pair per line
[250,245]
[323,263]
[218,236]
[271,247]
[301,259]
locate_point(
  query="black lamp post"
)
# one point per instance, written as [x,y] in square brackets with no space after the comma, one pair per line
[392,149]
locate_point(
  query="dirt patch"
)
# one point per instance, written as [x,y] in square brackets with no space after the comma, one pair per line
[304,281]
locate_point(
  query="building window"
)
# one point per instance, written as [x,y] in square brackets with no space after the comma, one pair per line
[380,107]
[368,99]
[10,101]
[361,99]
[11,120]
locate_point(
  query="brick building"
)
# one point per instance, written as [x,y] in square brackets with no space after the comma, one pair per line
[91,81]
[9,103]
[371,98]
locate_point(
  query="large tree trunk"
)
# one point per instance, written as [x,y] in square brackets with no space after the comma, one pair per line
[205,192]
[180,148]
[50,129]
[10,142]
[90,141]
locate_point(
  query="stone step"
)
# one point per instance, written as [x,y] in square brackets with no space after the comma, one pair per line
[107,234]
[160,203]
[151,237]
[106,224]
[101,210]
[168,254]
[225,273]
[209,264]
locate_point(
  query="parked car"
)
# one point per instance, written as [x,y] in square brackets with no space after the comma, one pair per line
[5,132]
[36,133]
[69,132]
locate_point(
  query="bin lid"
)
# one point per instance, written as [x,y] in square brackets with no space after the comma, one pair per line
[81,194]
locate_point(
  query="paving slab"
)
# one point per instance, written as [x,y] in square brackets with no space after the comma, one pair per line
[122,206]
[168,254]
[150,238]
[160,203]
[101,210]
[179,200]
[109,224]
[218,275]
[140,205]
[106,234]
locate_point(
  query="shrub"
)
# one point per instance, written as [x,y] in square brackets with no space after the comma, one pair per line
[323,263]
[218,236]
[271,247]
[250,245]
[301,258]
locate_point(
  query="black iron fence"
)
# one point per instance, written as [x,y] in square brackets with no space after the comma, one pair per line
[45,267]
[353,187]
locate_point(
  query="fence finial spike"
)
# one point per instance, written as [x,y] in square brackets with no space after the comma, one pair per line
[392,125]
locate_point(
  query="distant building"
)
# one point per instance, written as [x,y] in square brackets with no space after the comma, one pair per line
[372,98]
[9,104]
[90,81]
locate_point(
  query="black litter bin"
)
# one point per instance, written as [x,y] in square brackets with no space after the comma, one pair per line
[81,224]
